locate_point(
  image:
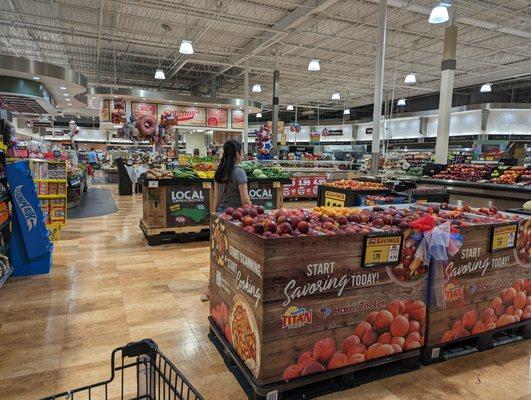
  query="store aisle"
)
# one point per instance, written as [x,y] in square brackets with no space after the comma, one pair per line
[108,287]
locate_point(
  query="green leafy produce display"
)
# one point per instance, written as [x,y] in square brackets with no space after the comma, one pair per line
[184,173]
[259,171]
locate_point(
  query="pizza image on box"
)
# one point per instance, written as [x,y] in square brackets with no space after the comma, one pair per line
[245,335]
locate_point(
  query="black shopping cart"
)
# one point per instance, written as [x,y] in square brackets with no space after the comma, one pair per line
[138,371]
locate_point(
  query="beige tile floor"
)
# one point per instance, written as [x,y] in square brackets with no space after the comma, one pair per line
[107,288]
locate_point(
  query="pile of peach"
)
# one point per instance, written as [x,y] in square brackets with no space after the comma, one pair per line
[513,305]
[398,328]
[355,185]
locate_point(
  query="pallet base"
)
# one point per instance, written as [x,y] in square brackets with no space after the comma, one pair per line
[157,236]
[314,385]
[477,343]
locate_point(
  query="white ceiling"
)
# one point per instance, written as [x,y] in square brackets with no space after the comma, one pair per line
[121,42]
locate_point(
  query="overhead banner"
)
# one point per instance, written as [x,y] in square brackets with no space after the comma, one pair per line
[105,114]
[237,121]
[117,108]
[169,114]
[217,117]
[138,109]
[192,116]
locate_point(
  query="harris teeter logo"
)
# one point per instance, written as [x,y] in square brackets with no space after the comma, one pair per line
[25,207]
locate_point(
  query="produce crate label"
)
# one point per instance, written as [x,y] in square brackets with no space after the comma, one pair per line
[503,237]
[207,185]
[382,250]
[334,199]
[153,184]
[264,196]
[187,205]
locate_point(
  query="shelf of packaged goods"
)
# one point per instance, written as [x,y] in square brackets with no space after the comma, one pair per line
[52,196]
[50,180]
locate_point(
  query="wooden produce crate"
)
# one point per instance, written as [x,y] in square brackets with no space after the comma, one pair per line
[477,293]
[329,196]
[275,300]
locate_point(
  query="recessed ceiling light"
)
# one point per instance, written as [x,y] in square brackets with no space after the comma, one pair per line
[63,88]
[36,78]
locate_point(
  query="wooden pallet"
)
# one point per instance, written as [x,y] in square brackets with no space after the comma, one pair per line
[312,386]
[481,342]
[179,234]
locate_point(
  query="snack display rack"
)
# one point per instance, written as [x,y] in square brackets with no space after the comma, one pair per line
[51,185]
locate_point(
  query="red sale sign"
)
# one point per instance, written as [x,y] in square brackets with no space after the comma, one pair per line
[303,186]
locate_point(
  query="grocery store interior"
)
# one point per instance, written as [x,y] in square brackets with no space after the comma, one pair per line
[265,200]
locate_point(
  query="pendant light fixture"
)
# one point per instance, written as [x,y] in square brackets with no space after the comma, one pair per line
[257,88]
[336,96]
[401,102]
[289,107]
[439,13]
[186,45]
[259,115]
[485,88]
[346,111]
[159,74]
[314,65]
[411,77]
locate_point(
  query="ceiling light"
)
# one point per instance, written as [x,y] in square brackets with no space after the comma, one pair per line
[314,65]
[36,78]
[257,88]
[336,96]
[65,94]
[346,111]
[63,88]
[259,115]
[93,98]
[485,88]
[439,14]
[69,104]
[171,101]
[67,99]
[186,47]
[159,74]
[401,102]
[143,98]
[289,107]
[410,78]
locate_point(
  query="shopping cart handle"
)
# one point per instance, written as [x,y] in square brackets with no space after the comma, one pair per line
[143,347]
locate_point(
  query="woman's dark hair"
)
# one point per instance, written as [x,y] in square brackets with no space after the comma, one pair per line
[230,150]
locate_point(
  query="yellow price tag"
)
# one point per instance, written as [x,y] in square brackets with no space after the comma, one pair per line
[276,184]
[207,185]
[382,250]
[334,199]
[503,237]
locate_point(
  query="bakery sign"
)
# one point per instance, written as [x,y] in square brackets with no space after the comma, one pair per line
[331,132]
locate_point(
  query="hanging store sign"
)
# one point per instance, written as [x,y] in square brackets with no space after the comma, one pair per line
[105,114]
[217,117]
[192,116]
[144,109]
[169,115]
[237,119]
[368,131]
[117,110]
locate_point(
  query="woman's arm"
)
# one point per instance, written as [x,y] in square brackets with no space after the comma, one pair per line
[244,194]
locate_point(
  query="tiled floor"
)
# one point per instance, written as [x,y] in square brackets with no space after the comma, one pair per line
[107,288]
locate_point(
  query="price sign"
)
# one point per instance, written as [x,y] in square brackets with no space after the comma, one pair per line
[207,185]
[334,199]
[382,250]
[503,237]
[153,184]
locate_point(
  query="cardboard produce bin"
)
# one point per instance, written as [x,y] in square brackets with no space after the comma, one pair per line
[482,289]
[275,300]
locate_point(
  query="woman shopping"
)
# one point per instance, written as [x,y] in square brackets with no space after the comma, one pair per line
[230,184]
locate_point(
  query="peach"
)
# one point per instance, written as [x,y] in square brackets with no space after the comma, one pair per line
[509,310]
[487,313]
[527,285]
[469,319]
[519,285]
[384,350]
[508,295]
[370,337]
[396,348]
[526,315]
[527,309]
[305,358]
[490,325]
[356,349]
[361,328]
[371,351]
[478,328]
[520,300]
[457,325]
[495,303]
[518,313]
[292,372]
[385,338]
[500,310]
[407,305]
[412,345]
[448,336]
[494,318]
[505,320]
[337,360]
[400,326]
[371,317]
[323,349]
[413,337]
[461,333]
[414,326]
[418,311]
[399,341]
[355,359]
[396,307]
[516,318]
[383,320]
[313,367]
[528,301]
[349,342]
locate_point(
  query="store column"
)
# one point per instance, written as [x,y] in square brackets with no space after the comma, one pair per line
[276,95]
[378,86]
[246,111]
[445,99]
